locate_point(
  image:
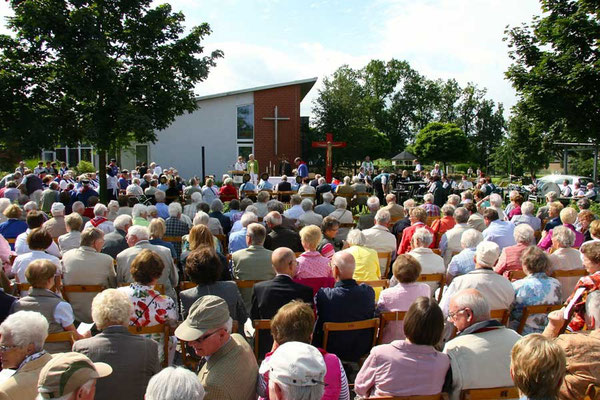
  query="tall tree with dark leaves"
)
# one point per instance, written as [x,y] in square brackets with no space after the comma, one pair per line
[556,68]
[103,72]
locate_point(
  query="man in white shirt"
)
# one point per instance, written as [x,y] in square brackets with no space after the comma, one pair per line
[39,240]
[465,183]
[35,219]
[379,237]
[240,165]
[100,221]
[134,189]
[367,166]
[565,189]
[295,211]
[309,217]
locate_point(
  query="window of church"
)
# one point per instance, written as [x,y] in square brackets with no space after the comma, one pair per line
[245,123]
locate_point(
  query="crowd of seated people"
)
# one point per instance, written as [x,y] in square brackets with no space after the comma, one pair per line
[222,281]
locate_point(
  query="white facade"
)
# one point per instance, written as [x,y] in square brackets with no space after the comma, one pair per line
[213,125]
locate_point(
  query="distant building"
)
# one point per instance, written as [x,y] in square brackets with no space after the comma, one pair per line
[227,124]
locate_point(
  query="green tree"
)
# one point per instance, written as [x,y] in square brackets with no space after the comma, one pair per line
[527,143]
[103,72]
[556,68]
[443,142]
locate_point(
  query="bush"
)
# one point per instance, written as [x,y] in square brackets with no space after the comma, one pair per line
[85,167]
[463,168]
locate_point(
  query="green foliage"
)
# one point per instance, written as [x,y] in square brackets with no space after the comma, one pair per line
[84,167]
[441,142]
[395,100]
[527,144]
[555,68]
[96,72]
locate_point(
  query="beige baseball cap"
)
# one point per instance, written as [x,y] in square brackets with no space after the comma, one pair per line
[487,253]
[66,372]
[208,312]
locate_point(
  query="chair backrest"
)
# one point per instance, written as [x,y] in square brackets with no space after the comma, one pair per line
[298,253]
[11,240]
[532,310]
[66,289]
[161,328]
[348,225]
[66,336]
[430,220]
[172,239]
[386,317]
[246,284]
[185,285]
[517,274]
[437,251]
[440,278]
[509,392]
[501,315]
[22,287]
[387,257]
[382,283]
[372,323]
[439,396]
[260,325]
[569,274]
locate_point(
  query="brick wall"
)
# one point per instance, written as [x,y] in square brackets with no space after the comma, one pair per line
[287,99]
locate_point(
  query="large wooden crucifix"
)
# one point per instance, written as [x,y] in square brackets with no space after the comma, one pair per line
[276,118]
[329,144]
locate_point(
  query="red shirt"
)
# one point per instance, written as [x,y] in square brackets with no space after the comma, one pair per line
[440,226]
[407,235]
[228,193]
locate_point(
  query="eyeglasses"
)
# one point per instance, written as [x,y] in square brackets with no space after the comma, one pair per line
[203,338]
[452,315]
[4,348]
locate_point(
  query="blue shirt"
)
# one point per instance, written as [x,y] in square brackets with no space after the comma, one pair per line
[237,240]
[12,228]
[265,185]
[303,170]
[501,233]
[163,210]
[533,290]
[462,263]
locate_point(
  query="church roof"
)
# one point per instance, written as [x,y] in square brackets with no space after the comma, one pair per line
[404,156]
[305,86]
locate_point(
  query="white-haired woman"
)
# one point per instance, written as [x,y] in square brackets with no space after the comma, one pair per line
[191,209]
[367,263]
[568,216]
[431,263]
[261,203]
[134,359]
[527,217]
[343,216]
[140,215]
[536,288]
[174,383]
[228,192]
[510,258]
[564,257]
[464,261]
[496,204]
[4,203]
[113,210]
[22,337]
[209,191]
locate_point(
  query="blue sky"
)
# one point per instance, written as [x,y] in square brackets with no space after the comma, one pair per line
[272,41]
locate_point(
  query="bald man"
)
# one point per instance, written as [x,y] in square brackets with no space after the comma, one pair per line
[270,295]
[347,301]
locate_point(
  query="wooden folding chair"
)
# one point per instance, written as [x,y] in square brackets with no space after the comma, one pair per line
[161,328]
[382,283]
[439,278]
[387,257]
[388,316]
[11,240]
[509,392]
[173,239]
[439,396]
[66,289]
[531,310]
[569,273]
[437,251]
[515,275]
[246,284]
[23,287]
[430,220]
[298,253]
[348,225]
[259,325]
[372,323]
[66,336]
[185,285]
[501,315]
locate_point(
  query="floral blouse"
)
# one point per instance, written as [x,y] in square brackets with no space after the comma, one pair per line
[151,308]
[533,290]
